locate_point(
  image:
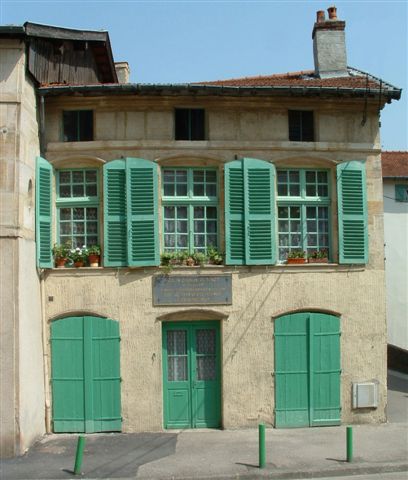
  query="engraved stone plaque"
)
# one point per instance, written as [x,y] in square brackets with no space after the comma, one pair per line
[192,290]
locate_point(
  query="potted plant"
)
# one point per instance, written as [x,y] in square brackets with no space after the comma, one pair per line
[214,256]
[79,256]
[199,258]
[296,257]
[319,256]
[94,255]
[61,253]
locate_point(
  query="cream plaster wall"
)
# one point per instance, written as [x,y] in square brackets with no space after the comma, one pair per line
[22,397]
[259,295]
[396,266]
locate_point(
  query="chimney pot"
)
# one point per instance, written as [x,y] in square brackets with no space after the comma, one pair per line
[122,71]
[332,11]
[320,16]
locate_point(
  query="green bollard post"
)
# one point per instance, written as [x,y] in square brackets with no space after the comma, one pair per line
[262,452]
[349,436]
[79,455]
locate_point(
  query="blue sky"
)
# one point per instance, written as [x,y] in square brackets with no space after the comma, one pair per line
[188,41]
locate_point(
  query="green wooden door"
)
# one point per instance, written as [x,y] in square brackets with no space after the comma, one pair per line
[307,370]
[191,375]
[85,375]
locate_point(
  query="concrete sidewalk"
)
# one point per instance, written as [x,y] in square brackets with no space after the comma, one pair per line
[210,454]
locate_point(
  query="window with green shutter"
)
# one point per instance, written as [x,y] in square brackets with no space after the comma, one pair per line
[190,209]
[303,203]
[250,212]
[401,193]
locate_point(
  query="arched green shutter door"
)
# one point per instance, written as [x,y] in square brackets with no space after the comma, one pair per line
[43,217]
[307,370]
[352,209]
[250,212]
[141,189]
[85,375]
[115,227]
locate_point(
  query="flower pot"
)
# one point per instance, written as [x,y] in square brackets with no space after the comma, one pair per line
[78,264]
[319,260]
[60,262]
[93,260]
[296,261]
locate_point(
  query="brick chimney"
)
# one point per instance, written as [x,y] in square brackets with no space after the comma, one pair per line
[329,45]
[122,71]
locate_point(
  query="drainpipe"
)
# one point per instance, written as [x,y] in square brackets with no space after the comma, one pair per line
[45,345]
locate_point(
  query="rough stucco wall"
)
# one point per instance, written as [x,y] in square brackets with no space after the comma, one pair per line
[22,399]
[396,266]
[259,295]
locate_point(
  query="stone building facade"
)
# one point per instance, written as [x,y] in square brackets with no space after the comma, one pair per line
[258,168]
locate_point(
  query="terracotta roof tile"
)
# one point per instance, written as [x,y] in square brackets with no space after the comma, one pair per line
[394,164]
[307,78]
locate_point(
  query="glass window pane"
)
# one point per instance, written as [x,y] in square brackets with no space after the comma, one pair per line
[199,226]
[198,176]
[322,177]
[211,190]
[181,212]
[323,212]
[65,228]
[311,226]
[199,241]
[169,190]
[181,190]
[295,212]
[181,226]
[91,227]
[64,239]
[323,226]
[198,190]
[169,226]
[323,191]
[65,191]
[211,212]
[211,226]
[283,240]
[169,241]
[91,240]
[295,226]
[90,176]
[169,212]
[181,176]
[177,342]
[211,176]
[282,190]
[77,190]
[65,177]
[283,212]
[310,190]
[206,368]
[177,369]
[205,341]
[283,253]
[168,176]
[282,176]
[182,241]
[211,240]
[310,212]
[293,176]
[78,213]
[91,213]
[312,240]
[78,177]
[295,240]
[283,226]
[78,227]
[198,212]
[311,177]
[78,242]
[91,191]
[65,213]
[294,190]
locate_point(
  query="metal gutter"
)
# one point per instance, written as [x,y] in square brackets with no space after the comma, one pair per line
[186,89]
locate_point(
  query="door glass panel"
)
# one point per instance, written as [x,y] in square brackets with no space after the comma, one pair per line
[177,355]
[206,360]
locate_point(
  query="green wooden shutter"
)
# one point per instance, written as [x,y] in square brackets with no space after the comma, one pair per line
[141,187]
[234,213]
[43,218]
[352,209]
[259,186]
[115,232]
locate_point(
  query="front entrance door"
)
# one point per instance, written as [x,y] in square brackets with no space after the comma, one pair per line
[191,375]
[85,375]
[307,370]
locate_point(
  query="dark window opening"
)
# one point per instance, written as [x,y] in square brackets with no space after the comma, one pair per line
[189,124]
[301,128]
[78,125]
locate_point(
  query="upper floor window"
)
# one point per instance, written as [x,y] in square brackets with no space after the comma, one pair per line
[301,126]
[77,125]
[401,193]
[190,209]
[77,207]
[189,123]
[303,211]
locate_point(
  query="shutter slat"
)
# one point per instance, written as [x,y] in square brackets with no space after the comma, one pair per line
[43,202]
[143,247]
[234,213]
[352,205]
[115,233]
